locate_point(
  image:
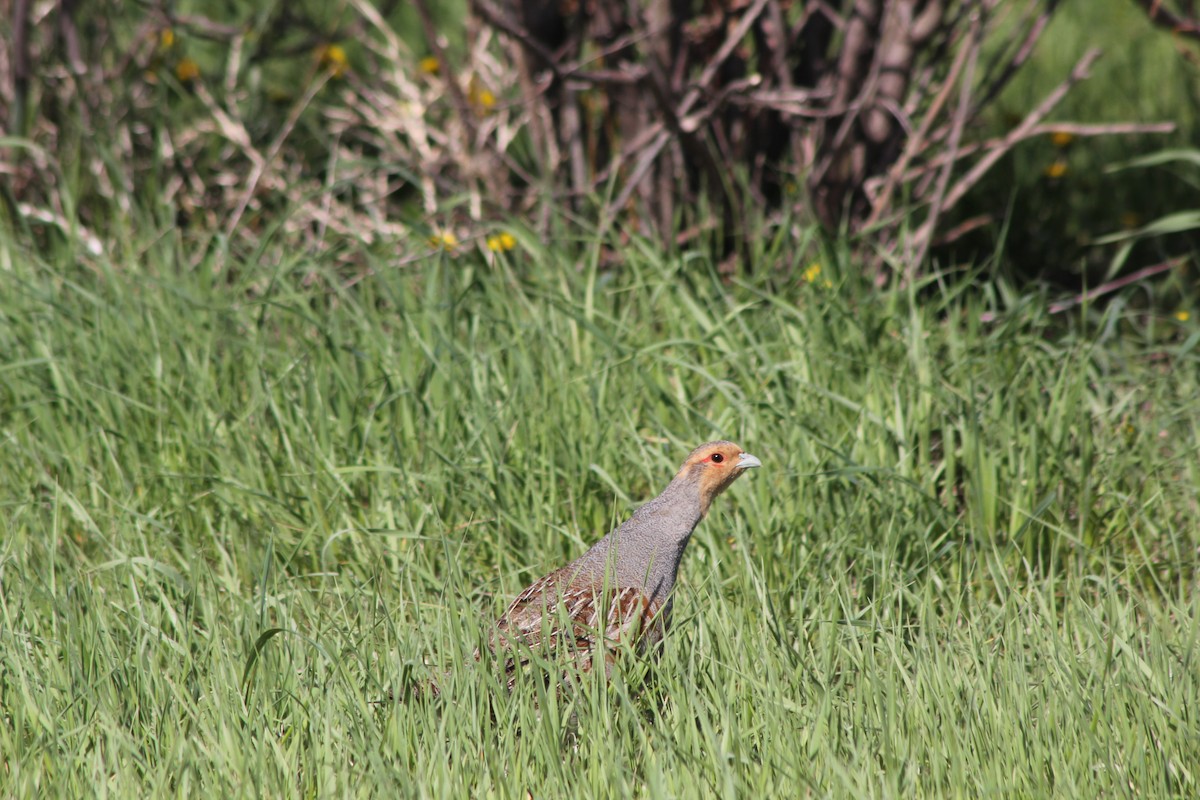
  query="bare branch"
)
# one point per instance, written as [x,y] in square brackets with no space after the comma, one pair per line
[1160,15]
[996,77]
[456,94]
[918,142]
[261,163]
[924,235]
[1044,129]
[964,184]
[1112,286]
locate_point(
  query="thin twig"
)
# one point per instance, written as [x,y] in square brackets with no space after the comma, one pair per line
[973,176]
[1164,18]
[640,142]
[69,34]
[459,100]
[260,166]
[20,67]
[1044,129]
[202,27]
[963,228]
[731,43]
[776,33]
[231,129]
[677,118]
[1017,60]
[917,142]
[91,242]
[924,235]
[504,22]
[859,40]
[797,103]
[649,154]
[1112,286]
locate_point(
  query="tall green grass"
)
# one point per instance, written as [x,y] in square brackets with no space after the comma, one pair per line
[241,509]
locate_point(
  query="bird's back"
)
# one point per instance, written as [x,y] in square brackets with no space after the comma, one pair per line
[568,615]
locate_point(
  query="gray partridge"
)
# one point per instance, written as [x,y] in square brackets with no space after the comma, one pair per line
[625,578]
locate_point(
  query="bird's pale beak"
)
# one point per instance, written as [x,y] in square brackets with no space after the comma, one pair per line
[747,461]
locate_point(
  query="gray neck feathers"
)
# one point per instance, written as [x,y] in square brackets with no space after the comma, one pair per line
[644,551]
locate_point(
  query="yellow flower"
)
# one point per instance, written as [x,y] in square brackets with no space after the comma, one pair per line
[1130,432]
[187,71]
[501,242]
[1182,315]
[444,240]
[481,97]
[1056,170]
[333,58]
[429,65]
[1062,138]
[812,273]
[166,38]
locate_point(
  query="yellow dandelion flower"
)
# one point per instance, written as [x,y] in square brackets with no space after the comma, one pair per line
[1055,170]
[1129,431]
[812,273]
[1061,138]
[333,58]
[187,71]
[166,38]
[480,97]
[1182,315]
[444,240]
[429,65]
[501,242]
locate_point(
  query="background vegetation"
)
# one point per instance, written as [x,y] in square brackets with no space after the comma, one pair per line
[266,468]
[383,125]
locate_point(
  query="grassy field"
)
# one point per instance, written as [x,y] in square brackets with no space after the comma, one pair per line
[239,509]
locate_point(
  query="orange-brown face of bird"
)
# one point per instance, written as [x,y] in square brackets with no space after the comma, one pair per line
[714,466]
